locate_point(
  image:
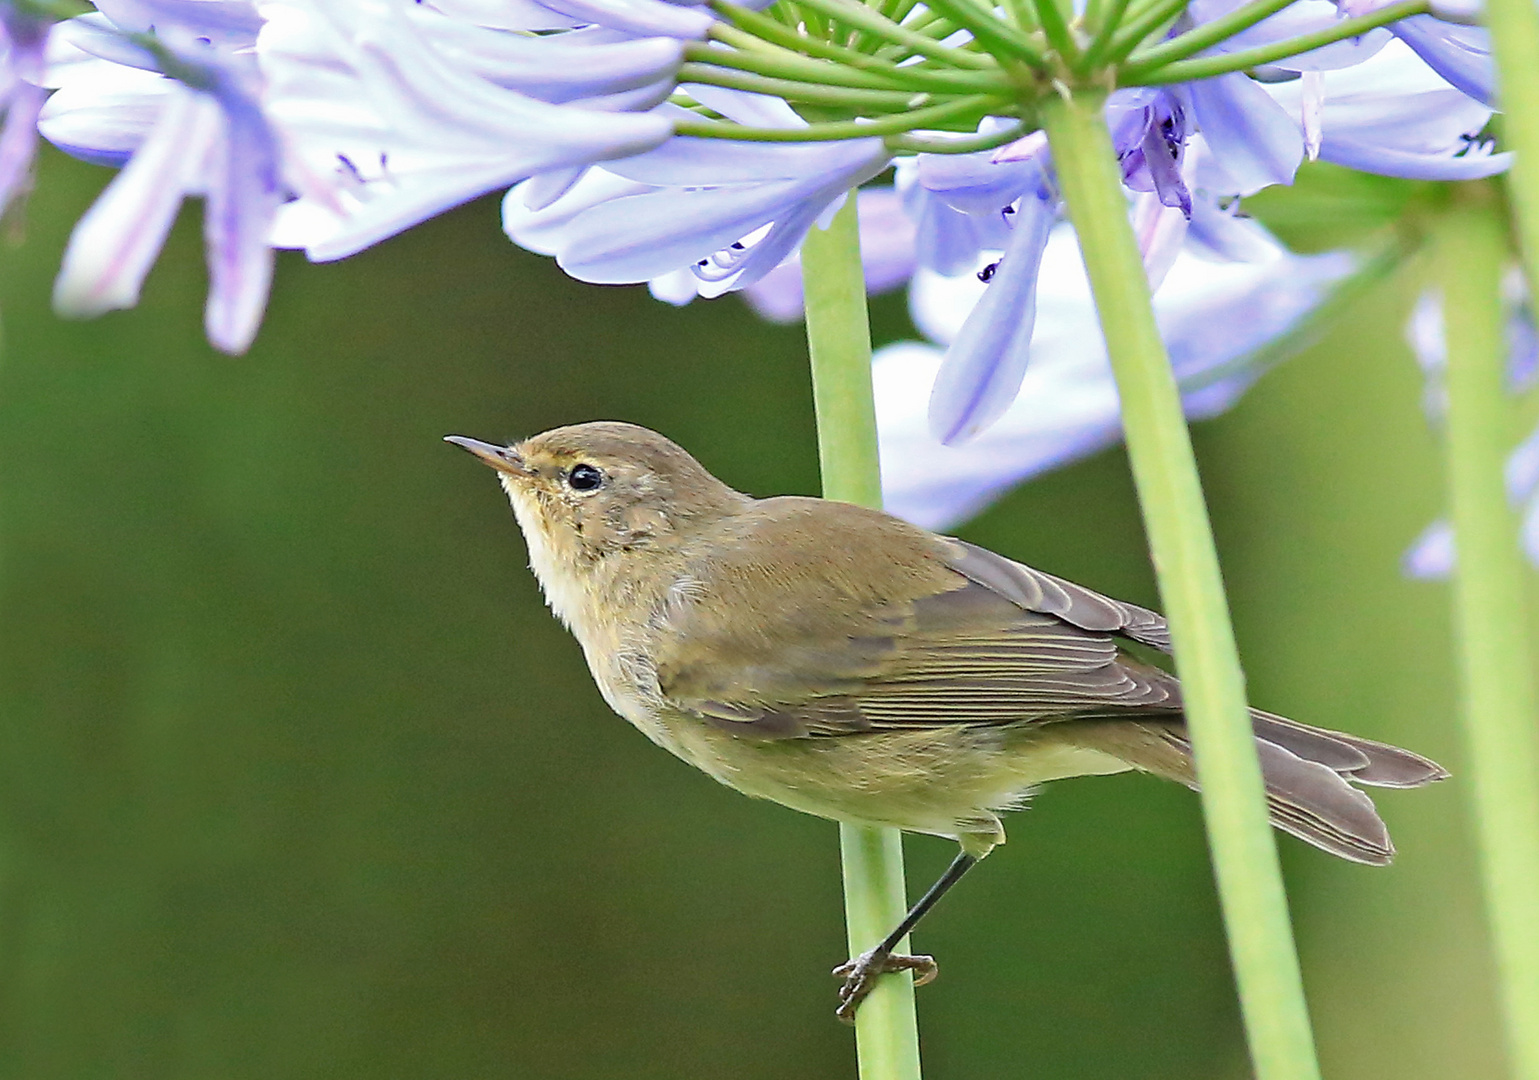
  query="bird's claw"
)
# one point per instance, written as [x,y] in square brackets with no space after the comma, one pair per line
[860,975]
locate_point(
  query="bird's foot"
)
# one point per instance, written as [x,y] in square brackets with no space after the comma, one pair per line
[860,976]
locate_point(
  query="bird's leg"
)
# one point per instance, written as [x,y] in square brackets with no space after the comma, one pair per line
[860,974]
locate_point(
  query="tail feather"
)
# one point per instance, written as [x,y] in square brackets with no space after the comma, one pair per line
[1363,761]
[1306,770]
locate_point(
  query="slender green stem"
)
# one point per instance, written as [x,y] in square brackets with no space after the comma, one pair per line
[1056,27]
[1105,26]
[769,30]
[1138,25]
[1181,542]
[1137,74]
[749,53]
[1209,33]
[967,144]
[1501,714]
[794,90]
[933,116]
[859,17]
[763,58]
[1515,43]
[839,339]
[990,30]
[1023,15]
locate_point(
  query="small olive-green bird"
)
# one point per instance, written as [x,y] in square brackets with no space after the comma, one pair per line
[848,664]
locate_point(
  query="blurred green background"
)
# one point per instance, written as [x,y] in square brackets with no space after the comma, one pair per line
[298,778]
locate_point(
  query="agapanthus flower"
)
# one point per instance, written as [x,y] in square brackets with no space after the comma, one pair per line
[169,90]
[1433,555]
[1221,321]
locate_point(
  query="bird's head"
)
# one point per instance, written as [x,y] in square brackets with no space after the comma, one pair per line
[584,492]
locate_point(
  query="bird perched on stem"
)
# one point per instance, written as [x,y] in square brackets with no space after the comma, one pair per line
[848,664]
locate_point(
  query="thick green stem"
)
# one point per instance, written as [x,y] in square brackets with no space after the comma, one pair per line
[839,339]
[1501,716]
[1515,43]
[1181,541]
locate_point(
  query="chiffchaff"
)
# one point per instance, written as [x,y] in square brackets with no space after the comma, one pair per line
[848,664]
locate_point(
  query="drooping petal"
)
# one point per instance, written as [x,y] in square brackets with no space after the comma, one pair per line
[702,203]
[118,238]
[1461,54]
[1251,138]
[18,140]
[1227,235]
[555,68]
[103,111]
[1213,316]
[985,364]
[244,190]
[1160,231]
[1394,116]
[886,256]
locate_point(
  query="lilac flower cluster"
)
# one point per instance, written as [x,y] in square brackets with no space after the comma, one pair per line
[693,147]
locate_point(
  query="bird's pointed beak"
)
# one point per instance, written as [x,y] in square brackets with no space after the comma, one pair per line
[502,458]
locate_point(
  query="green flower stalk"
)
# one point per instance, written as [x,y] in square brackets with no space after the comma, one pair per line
[1181,543]
[886,1028]
[1495,646]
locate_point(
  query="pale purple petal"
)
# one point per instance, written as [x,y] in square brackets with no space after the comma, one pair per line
[691,162]
[644,18]
[1251,138]
[1297,19]
[886,255]
[1431,557]
[714,220]
[403,133]
[1226,234]
[1461,54]
[118,238]
[506,14]
[18,140]
[243,194]
[742,107]
[1395,116]
[1161,232]
[985,364]
[1522,470]
[1214,317]
[557,68]
[541,226]
[1528,534]
[948,240]
[103,111]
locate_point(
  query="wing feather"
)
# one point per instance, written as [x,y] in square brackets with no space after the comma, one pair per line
[974,639]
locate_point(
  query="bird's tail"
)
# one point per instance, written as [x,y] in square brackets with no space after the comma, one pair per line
[1307,772]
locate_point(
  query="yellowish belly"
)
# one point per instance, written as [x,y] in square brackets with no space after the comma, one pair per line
[946,781]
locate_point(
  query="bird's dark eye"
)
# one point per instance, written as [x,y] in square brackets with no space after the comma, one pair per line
[584,478]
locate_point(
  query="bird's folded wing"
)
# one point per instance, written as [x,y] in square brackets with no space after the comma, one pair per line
[981,640]
[1074,604]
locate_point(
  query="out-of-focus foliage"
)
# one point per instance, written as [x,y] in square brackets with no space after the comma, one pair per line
[299,779]
[1329,207]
